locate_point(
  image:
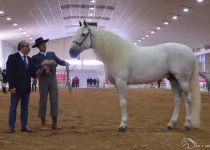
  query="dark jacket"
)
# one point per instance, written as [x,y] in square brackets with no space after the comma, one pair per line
[18,76]
[39,58]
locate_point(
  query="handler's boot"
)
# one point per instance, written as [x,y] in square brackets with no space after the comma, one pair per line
[54,124]
[43,123]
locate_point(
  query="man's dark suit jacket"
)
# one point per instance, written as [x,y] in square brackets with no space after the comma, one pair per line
[18,75]
[38,58]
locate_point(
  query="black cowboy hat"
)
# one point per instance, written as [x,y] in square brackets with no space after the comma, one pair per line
[39,41]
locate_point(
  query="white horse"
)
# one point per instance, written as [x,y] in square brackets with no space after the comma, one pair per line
[126,64]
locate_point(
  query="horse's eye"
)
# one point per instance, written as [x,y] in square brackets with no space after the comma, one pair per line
[83,34]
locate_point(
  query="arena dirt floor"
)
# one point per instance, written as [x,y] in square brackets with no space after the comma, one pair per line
[90,118]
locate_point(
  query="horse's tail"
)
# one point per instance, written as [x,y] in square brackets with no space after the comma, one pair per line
[196,98]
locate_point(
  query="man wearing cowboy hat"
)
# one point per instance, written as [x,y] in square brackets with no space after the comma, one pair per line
[45,64]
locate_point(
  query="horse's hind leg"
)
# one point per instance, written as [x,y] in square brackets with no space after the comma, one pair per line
[121,86]
[178,101]
[185,85]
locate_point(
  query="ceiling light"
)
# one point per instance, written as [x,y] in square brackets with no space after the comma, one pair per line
[135,43]
[139,41]
[1,12]
[166,23]
[175,17]
[91,8]
[147,35]
[27,35]
[24,33]
[8,18]
[15,24]
[31,38]
[90,14]
[20,29]
[92,1]
[185,9]
[199,1]
[152,32]
[143,38]
[158,28]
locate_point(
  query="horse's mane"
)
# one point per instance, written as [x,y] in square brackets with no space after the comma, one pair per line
[110,45]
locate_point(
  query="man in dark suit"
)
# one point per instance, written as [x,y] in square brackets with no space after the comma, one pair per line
[45,64]
[19,72]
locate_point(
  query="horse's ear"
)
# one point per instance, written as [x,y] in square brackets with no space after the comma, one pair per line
[80,24]
[85,23]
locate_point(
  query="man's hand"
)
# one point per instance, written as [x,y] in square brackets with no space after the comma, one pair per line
[13,90]
[48,62]
[67,64]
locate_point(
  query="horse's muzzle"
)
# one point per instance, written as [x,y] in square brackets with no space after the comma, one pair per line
[74,51]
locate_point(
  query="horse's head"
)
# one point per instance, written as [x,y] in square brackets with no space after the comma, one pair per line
[81,40]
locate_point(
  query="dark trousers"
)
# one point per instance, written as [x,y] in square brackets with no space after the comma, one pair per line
[14,100]
[48,84]
[4,89]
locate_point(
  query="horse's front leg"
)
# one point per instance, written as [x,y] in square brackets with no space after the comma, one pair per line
[121,86]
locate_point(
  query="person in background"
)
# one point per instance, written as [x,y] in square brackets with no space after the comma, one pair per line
[97,82]
[19,72]
[33,86]
[88,82]
[158,82]
[77,82]
[45,65]
[4,81]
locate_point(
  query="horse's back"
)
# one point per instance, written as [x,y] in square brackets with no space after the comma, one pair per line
[155,62]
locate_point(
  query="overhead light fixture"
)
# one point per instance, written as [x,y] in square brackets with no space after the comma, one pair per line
[152,32]
[92,1]
[200,1]
[143,38]
[1,12]
[175,17]
[186,9]
[91,14]
[166,22]
[139,41]
[20,29]
[8,18]
[158,28]
[27,35]
[91,8]
[31,38]
[15,24]
[147,35]
[24,33]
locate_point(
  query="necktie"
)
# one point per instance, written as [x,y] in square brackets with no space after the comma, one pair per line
[25,62]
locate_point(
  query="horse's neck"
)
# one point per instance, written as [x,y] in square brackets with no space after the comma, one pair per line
[109,46]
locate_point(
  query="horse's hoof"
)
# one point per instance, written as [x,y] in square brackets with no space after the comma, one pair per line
[122,129]
[185,129]
[169,128]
